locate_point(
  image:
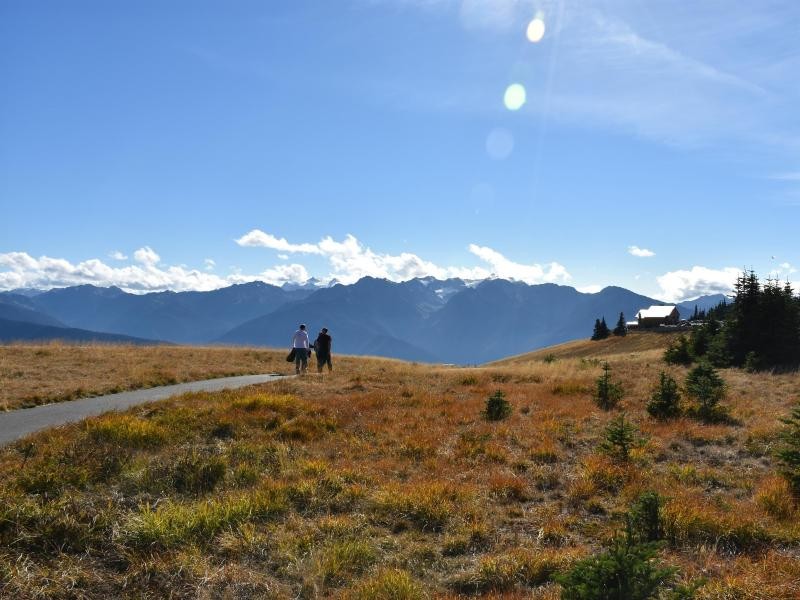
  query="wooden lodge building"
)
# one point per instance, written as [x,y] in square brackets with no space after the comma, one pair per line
[655,316]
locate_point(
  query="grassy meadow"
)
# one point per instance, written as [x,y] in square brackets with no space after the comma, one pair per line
[384,480]
[54,372]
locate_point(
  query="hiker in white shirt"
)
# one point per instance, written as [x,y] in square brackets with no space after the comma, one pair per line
[301,349]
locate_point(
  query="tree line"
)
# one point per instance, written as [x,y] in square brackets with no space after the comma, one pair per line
[760,329]
[601,330]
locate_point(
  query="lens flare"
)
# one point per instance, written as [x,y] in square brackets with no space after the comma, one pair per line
[536,29]
[499,143]
[515,96]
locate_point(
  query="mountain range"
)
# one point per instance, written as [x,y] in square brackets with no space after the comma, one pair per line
[423,319]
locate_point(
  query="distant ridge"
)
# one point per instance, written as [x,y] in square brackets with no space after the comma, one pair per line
[424,319]
[16,307]
[20,331]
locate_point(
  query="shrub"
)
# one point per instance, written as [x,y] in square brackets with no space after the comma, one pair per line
[789,452]
[679,352]
[497,407]
[664,402]
[607,393]
[627,570]
[549,358]
[704,384]
[645,518]
[620,437]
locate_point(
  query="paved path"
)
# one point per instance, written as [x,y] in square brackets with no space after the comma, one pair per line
[17,424]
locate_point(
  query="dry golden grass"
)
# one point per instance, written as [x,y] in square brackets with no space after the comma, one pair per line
[54,372]
[633,343]
[383,480]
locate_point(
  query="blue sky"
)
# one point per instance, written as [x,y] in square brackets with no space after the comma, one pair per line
[209,143]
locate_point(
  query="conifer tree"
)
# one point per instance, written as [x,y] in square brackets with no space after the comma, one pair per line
[664,403]
[621,329]
[596,331]
[620,437]
[628,570]
[789,452]
[704,384]
[601,330]
[607,392]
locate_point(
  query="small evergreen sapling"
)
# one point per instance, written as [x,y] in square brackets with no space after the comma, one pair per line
[679,352]
[628,570]
[497,407]
[620,437]
[607,393]
[645,518]
[704,384]
[789,452]
[665,401]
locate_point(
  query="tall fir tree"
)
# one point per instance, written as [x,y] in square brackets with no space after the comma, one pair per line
[604,330]
[596,330]
[621,329]
[601,330]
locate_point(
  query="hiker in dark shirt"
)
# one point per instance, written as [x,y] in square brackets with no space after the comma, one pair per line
[322,346]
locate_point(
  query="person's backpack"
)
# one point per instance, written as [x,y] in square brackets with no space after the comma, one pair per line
[292,355]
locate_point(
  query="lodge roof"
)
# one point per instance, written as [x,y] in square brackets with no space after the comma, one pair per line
[656,312]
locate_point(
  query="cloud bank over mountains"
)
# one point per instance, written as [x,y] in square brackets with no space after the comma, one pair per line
[348,260]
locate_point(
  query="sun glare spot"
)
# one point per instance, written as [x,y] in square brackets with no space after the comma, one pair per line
[535,31]
[515,96]
[499,143]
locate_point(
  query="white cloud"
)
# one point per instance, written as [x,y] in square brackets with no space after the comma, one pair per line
[117,255]
[23,270]
[640,252]
[283,256]
[349,260]
[280,274]
[257,238]
[682,285]
[507,269]
[146,256]
[787,268]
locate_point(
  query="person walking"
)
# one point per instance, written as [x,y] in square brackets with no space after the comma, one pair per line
[322,346]
[301,349]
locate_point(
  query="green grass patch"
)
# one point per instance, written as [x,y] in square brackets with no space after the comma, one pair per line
[178,524]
